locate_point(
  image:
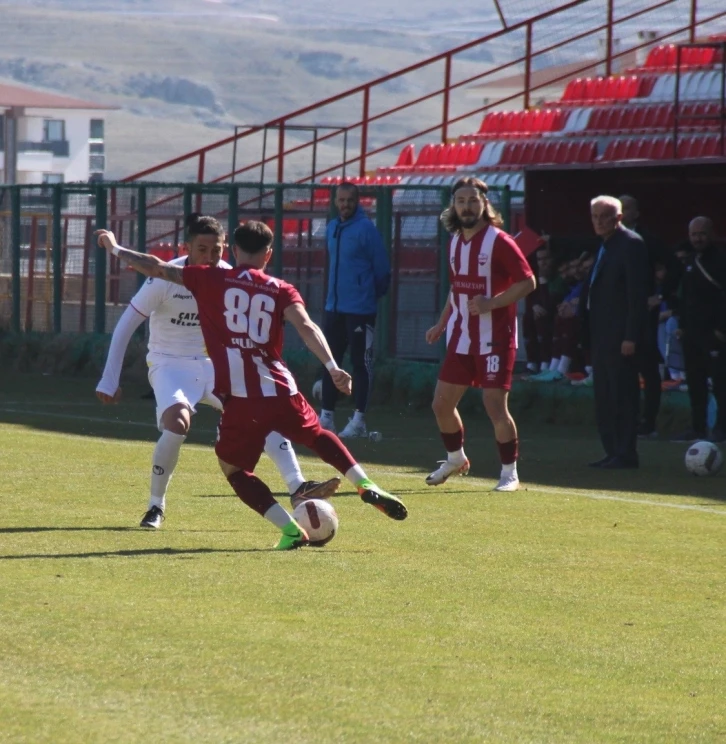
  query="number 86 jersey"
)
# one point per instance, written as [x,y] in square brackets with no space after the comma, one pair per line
[241,314]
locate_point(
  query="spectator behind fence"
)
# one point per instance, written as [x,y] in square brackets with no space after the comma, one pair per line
[566,327]
[614,307]
[669,345]
[359,275]
[539,311]
[702,330]
[649,357]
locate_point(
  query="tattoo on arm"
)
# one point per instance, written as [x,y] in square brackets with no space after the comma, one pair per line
[151,265]
[173,274]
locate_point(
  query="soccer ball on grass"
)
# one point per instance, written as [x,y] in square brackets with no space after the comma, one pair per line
[703,458]
[319,519]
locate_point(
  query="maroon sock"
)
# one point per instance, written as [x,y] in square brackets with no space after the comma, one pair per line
[453,442]
[508,451]
[331,450]
[252,491]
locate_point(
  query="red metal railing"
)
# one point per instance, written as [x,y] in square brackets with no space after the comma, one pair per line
[198,158]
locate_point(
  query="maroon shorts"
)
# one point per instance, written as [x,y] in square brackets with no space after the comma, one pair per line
[479,370]
[246,422]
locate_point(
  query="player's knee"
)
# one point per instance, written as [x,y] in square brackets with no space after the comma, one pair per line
[440,406]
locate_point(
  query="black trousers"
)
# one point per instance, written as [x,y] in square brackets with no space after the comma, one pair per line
[617,395]
[703,358]
[346,331]
[649,363]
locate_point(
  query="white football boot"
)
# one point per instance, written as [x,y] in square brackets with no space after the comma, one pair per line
[445,470]
[354,429]
[508,482]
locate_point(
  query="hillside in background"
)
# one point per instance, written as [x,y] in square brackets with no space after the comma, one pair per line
[184,73]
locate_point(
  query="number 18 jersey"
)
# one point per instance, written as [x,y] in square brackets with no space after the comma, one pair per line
[241,314]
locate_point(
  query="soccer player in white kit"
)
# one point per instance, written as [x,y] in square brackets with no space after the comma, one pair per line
[181,373]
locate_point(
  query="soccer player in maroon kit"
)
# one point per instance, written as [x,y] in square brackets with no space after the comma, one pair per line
[242,312]
[488,275]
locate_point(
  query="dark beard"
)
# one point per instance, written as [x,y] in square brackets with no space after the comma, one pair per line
[468,222]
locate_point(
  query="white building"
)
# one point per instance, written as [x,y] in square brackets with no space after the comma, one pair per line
[47,138]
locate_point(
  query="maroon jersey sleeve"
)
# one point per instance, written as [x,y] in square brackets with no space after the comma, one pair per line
[511,259]
[289,296]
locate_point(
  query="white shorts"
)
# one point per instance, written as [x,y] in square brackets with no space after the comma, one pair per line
[185,381]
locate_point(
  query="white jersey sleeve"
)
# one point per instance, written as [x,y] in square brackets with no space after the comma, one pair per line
[127,324]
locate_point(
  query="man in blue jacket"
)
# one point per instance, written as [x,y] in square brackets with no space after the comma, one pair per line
[359,275]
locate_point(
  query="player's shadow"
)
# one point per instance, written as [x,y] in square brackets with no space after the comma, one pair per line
[174,552]
[21,530]
[181,553]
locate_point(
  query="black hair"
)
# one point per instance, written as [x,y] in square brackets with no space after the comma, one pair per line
[200,224]
[348,186]
[253,237]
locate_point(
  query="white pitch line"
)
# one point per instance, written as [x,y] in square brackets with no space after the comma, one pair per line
[75,417]
[554,492]
[568,492]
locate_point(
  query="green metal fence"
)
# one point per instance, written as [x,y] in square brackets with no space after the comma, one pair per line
[53,278]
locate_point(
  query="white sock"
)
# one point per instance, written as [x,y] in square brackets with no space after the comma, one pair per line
[356,474]
[544,366]
[531,366]
[325,414]
[280,451]
[457,458]
[554,364]
[508,470]
[588,370]
[278,516]
[359,417]
[564,366]
[163,462]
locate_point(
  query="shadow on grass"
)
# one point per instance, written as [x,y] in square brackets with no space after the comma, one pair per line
[173,552]
[135,553]
[557,435]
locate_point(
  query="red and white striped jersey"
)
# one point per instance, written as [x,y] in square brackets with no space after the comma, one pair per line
[487,265]
[241,314]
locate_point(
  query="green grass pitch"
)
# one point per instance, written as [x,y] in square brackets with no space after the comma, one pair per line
[588,607]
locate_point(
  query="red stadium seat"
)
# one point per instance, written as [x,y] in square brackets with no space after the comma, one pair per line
[406,157]
[489,123]
[656,58]
[425,157]
[549,154]
[645,86]
[507,154]
[609,153]
[575,90]
[712,147]
[626,119]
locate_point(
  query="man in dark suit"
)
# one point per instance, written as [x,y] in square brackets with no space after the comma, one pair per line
[615,308]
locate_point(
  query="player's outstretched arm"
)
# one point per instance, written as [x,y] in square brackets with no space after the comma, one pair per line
[141,262]
[108,390]
[314,339]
